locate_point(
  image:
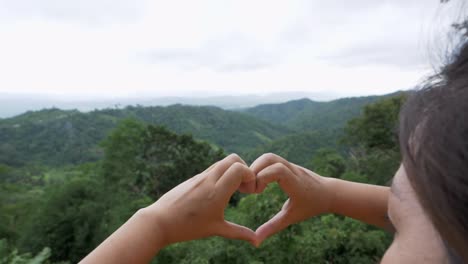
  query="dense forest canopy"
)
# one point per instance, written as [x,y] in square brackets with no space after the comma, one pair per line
[55,137]
[69,179]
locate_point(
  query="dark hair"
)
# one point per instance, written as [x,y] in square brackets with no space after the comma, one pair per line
[434,145]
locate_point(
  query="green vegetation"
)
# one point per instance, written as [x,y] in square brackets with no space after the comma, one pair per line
[298,147]
[54,137]
[69,179]
[11,255]
[306,114]
[373,141]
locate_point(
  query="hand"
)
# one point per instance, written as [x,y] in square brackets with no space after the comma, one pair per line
[195,208]
[308,193]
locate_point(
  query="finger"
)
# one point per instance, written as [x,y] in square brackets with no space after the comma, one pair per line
[273,226]
[231,180]
[234,231]
[223,165]
[277,172]
[305,170]
[211,167]
[248,187]
[267,160]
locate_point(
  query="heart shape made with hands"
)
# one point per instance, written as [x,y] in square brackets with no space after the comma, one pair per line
[307,192]
[195,208]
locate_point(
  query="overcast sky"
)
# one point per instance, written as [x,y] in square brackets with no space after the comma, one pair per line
[118,48]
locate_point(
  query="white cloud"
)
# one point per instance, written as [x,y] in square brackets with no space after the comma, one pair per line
[83,11]
[118,48]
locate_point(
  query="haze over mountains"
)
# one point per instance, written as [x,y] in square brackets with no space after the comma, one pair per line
[12,104]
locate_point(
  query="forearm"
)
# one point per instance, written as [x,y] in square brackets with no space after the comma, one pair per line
[364,202]
[137,241]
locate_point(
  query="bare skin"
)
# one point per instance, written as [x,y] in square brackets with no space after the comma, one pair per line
[192,210]
[396,209]
[195,209]
[311,195]
[415,240]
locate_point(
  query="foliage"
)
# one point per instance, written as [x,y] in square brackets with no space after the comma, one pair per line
[51,137]
[298,147]
[374,147]
[328,162]
[122,149]
[377,127]
[55,137]
[17,200]
[171,159]
[307,115]
[66,221]
[152,160]
[10,255]
[233,131]
[141,162]
[376,166]
[70,209]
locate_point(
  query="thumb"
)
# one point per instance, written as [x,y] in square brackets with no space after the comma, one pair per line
[273,226]
[235,231]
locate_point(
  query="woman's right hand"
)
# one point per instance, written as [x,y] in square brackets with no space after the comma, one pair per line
[309,193]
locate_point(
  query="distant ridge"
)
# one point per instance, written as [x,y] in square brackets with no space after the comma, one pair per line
[308,115]
[14,104]
[51,136]
[72,137]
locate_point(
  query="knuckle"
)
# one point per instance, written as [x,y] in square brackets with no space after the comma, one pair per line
[211,195]
[234,157]
[237,166]
[279,168]
[270,157]
[300,169]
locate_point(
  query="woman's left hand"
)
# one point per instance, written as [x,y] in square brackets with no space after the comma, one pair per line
[195,208]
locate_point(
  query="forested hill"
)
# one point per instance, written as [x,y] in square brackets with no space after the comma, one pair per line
[57,137]
[299,148]
[306,115]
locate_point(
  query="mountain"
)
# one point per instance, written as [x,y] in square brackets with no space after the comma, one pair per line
[12,104]
[298,148]
[294,129]
[54,136]
[307,115]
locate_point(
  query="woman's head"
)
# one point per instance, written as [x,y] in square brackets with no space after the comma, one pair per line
[434,145]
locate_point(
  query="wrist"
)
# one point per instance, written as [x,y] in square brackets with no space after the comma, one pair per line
[152,219]
[329,185]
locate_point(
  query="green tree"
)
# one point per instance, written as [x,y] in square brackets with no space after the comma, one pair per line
[122,150]
[298,147]
[152,160]
[170,159]
[9,255]
[373,140]
[376,128]
[328,162]
[67,220]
